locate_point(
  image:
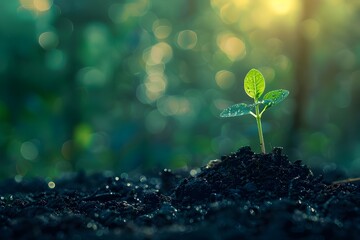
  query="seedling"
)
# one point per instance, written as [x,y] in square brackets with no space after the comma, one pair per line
[254,85]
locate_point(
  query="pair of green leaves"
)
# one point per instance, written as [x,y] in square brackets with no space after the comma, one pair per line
[254,85]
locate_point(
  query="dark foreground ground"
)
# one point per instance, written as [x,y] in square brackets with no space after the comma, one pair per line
[243,196]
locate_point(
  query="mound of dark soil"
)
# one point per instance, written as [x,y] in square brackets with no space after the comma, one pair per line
[242,196]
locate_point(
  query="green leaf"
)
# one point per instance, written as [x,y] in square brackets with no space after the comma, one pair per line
[254,83]
[274,97]
[237,110]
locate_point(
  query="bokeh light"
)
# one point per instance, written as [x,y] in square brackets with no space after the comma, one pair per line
[232,46]
[225,79]
[162,28]
[187,39]
[121,12]
[55,59]
[37,5]
[90,76]
[48,40]
[230,11]
[173,105]
[29,150]
[51,184]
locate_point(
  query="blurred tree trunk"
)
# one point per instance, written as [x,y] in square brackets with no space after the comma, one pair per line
[73,112]
[302,71]
[72,108]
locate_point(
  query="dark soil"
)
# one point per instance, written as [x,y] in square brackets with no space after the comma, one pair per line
[242,196]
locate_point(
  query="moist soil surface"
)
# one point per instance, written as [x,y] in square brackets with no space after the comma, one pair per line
[240,196]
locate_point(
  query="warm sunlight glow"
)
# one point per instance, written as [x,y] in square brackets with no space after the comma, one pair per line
[36,5]
[261,13]
[232,46]
[42,5]
[229,13]
[235,3]
[282,7]
[240,3]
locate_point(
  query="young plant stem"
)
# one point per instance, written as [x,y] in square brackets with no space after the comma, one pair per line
[258,121]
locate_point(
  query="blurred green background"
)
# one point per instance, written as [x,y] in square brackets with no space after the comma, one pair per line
[128,85]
